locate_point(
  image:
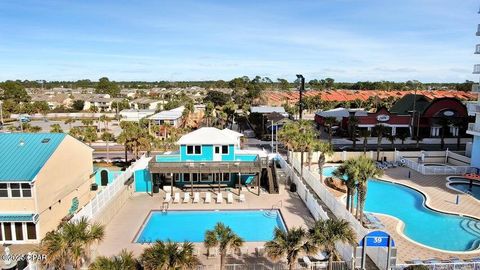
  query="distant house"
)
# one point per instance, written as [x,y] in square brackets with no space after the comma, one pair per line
[268,109]
[134,114]
[172,117]
[44,177]
[102,101]
[147,104]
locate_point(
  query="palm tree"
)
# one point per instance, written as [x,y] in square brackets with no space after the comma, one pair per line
[285,135]
[379,131]
[90,135]
[170,256]
[69,122]
[123,261]
[352,129]
[209,107]
[365,134]
[325,149]
[87,122]
[366,169]
[349,171]
[56,128]
[391,138]
[459,124]
[289,244]
[327,233]
[304,140]
[402,136]
[329,122]
[108,137]
[70,244]
[223,237]
[444,122]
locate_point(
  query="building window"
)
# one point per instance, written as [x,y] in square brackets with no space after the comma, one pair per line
[31,231]
[205,177]
[225,149]
[26,190]
[217,150]
[15,190]
[18,231]
[3,190]
[194,150]
[226,177]
[8,231]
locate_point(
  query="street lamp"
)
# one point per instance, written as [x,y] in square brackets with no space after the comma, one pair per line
[302,89]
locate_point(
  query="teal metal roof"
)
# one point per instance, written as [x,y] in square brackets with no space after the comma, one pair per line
[17,218]
[22,155]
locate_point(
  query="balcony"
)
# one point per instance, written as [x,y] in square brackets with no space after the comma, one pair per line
[475,88]
[476,69]
[473,129]
[477,49]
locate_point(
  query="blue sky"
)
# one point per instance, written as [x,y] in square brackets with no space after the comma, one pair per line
[349,40]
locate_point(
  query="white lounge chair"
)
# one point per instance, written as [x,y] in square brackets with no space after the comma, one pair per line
[229,198]
[168,197]
[208,197]
[196,197]
[186,197]
[307,261]
[220,197]
[241,198]
[176,199]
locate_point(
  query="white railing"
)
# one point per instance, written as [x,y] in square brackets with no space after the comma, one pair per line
[432,169]
[312,182]
[473,127]
[312,179]
[105,196]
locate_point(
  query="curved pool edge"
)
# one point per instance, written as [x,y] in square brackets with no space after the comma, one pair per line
[427,200]
[425,203]
[400,226]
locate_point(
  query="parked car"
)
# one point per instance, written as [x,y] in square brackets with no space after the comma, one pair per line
[24,118]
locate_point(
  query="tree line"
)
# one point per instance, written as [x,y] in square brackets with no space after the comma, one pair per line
[244,82]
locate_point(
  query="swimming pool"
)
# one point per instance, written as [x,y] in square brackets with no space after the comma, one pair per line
[463,185]
[423,225]
[180,226]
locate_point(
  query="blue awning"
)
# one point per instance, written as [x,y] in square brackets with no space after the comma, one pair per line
[18,217]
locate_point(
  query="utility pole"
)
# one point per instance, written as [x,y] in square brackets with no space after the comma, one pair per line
[301,89]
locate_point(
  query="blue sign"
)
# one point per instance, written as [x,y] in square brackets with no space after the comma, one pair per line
[377,239]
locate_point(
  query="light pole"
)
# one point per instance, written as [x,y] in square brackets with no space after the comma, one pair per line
[1,113]
[302,89]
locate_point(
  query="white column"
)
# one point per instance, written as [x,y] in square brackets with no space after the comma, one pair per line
[394,130]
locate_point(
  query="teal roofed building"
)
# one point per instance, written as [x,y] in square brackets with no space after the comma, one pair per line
[207,158]
[43,176]
[24,154]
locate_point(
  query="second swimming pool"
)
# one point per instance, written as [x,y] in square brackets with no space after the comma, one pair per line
[180,226]
[423,225]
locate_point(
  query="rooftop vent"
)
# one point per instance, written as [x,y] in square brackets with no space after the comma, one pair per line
[46,140]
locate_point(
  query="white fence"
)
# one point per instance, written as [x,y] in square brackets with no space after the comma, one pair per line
[303,189]
[105,196]
[312,179]
[432,169]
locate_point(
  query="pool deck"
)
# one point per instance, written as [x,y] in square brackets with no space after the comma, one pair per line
[440,198]
[121,231]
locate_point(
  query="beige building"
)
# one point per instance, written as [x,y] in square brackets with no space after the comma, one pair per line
[44,178]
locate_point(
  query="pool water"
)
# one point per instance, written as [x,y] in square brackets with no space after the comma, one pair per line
[423,225]
[180,226]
